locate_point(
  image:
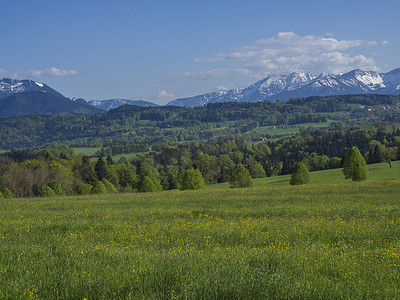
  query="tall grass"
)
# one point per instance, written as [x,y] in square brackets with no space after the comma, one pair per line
[333,241]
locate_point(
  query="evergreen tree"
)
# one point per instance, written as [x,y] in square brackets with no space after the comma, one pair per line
[101,169]
[86,171]
[241,178]
[110,160]
[300,174]
[354,165]
[192,180]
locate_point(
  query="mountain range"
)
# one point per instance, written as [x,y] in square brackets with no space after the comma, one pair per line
[301,84]
[38,102]
[272,88]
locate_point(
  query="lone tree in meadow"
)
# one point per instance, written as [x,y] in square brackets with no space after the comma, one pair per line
[300,174]
[241,178]
[354,165]
[192,179]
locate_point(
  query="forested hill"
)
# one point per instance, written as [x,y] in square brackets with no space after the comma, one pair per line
[133,124]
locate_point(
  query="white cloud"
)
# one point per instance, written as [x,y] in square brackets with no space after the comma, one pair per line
[288,52]
[214,73]
[22,74]
[53,71]
[163,94]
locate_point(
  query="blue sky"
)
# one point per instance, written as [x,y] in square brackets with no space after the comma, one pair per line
[163,50]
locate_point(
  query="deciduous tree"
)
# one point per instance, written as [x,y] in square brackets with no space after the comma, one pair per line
[241,178]
[191,180]
[354,166]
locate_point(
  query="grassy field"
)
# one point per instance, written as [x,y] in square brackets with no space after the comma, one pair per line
[288,130]
[86,150]
[375,172]
[325,241]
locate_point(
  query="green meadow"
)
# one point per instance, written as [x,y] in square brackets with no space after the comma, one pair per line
[380,171]
[318,241]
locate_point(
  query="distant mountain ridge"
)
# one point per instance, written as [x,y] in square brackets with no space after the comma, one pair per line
[303,84]
[272,88]
[114,103]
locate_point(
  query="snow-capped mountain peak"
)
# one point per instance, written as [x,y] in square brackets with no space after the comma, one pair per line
[12,86]
[303,84]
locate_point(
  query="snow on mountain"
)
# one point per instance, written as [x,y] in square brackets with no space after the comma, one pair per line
[114,103]
[12,86]
[302,84]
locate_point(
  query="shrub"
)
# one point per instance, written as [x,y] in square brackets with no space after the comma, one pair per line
[109,186]
[7,193]
[192,180]
[86,189]
[241,178]
[98,188]
[300,174]
[354,165]
[47,192]
[56,187]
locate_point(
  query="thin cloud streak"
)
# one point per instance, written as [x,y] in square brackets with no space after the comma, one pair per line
[288,52]
[50,72]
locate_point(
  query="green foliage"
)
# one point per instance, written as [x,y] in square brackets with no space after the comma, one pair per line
[56,187]
[1,196]
[47,192]
[241,178]
[127,175]
[207,165]
[191,180]
[147,185]
[98,188]
[6,193]
[300,175]
[86,189]
[354,166]
[149,125]
[258,171]
[149,177]
[109,186]
[101,169]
